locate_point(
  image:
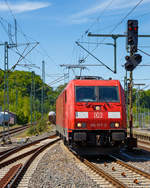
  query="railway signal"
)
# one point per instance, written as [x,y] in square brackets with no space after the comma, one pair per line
[132,34]
[132,61]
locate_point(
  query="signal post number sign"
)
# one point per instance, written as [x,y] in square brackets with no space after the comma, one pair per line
[98,115]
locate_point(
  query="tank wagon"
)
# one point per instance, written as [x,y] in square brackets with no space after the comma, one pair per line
[52,117]
[92,112]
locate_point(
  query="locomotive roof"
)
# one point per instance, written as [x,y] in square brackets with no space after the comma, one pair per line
[78,82]
[95,82]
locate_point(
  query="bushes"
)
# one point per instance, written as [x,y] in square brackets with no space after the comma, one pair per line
[42,126]
[32,131]
[21,118]
[39,128]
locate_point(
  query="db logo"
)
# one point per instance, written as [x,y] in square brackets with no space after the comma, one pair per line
[98,115]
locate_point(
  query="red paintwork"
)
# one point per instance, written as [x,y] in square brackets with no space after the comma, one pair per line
[65,111]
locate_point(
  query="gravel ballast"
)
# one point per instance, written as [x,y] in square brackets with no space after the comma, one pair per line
[58,169]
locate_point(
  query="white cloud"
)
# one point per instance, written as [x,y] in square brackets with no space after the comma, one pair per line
[115,5]
[79,21]
[90,11]
[24,6]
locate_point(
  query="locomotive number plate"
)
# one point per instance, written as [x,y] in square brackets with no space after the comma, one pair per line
[82,115]
[98,115]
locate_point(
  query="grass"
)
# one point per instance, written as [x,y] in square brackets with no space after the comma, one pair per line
[11,127]
[37,129]
[23,134]
[40,128]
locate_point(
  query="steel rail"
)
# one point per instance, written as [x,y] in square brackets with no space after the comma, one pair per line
[130,167]
[9,175]
[144,148]
[24,168]
[12,131]
[143,142]
[99,171]
[15,150]
[21,156]
[103,174]
[5,151]
[8,152]
[16,128]
[141,136]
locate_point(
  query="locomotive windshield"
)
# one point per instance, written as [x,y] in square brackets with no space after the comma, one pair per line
[86,93]
[97,94]
[108,93]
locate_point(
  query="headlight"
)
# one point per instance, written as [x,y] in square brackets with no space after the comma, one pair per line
[97,107]
[81,125]
[115,125]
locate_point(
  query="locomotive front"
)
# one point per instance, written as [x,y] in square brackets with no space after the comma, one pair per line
[99,113]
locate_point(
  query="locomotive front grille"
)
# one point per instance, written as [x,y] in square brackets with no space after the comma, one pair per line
[80,136]
[118,136]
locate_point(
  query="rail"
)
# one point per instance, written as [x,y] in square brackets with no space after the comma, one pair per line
[15,173]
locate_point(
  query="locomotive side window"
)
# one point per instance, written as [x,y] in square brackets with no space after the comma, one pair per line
[85,93]
[65,96]
[108,93]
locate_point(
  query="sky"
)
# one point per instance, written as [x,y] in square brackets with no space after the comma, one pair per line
[58,24]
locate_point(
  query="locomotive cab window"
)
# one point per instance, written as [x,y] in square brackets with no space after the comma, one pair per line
[97,94]
[86,94]
[108,93]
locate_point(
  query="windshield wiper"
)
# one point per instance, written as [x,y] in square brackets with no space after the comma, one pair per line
[106,101]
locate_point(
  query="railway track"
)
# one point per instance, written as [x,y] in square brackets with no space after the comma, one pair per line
[129,175]
[143,136]
[113,172]
[145,145]
[14,164]
[12,131]
[9,152]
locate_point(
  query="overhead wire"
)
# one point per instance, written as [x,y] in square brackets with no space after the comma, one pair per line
[17,50]
[5,30]
[97,19]
[142,79]
[61,78]
[119,23]
[123,19]
[46,53]
[144,52]
[26,37]
[6,2]
[24,59]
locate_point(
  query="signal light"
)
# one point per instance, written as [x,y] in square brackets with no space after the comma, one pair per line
[135,29]
[132,34]
[127,58]
[132,61]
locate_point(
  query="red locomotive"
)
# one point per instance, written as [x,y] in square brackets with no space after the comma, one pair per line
[92,112]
